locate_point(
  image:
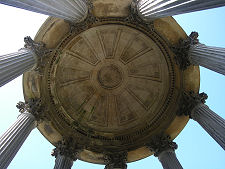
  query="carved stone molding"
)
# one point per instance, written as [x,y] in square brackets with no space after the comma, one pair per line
[161,143]
[32,106]
[189,101]
[116,160]
[67,148]
[182,50]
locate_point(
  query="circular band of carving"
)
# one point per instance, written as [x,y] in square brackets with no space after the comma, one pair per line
[141,87]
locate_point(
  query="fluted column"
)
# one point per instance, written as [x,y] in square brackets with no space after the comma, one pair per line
[15,64]
[65,154]
[213,124]
[152,9]
[116,160]
[71,10]
[190,52]
[209,57]
[164,149]
[14,137]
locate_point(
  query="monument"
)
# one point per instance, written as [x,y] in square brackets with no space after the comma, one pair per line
[111,82]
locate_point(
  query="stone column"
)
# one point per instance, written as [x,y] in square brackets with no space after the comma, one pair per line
[209,57]
[194,107]
[15,64]
[14,137]
[71,10]
[65,153]
[164,149]
[116,160]
[190,52]
[149,9]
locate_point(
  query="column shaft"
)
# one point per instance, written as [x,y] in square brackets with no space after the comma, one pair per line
[150,9]
[14,137]
[169,160]
[211,122]
[63,162]
[14,64]
[72,10]
[209,57]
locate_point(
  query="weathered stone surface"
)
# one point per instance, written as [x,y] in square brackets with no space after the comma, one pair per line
[110,84]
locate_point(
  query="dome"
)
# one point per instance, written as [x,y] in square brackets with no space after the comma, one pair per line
[110,84]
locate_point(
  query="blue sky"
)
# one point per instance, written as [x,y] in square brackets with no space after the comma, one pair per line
[196,149]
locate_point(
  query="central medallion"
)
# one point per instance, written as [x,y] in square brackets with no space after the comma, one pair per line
[110,76]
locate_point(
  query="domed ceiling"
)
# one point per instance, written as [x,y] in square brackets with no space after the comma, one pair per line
[111,84]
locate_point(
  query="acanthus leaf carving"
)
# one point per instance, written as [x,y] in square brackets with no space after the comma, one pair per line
[189,101]
[33,106]
[182,50]
[161,143]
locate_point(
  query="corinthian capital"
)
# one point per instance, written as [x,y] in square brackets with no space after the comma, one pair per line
[116,160]
[32,106]
[66,147]
[161,143]
[189,101]
[182,50]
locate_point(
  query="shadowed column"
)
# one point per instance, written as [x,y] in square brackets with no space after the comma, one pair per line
[14,137]
[152,9]
[15,64]
[190,52]
[192,105]
[164,149]
[65,154]
[71,10]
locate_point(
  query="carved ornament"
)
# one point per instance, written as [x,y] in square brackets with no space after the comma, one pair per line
[161,143]
[116,160]
[32,106]
[67,148]
[39,50]
[182,50]
[189,101]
